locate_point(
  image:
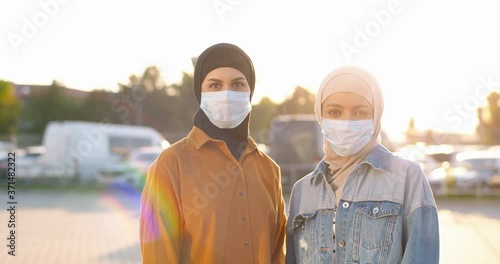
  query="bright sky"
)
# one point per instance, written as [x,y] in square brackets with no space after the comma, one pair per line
[435,60]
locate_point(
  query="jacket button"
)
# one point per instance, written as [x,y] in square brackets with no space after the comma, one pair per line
[360,171]
[341,243]
[375,210]
[345,205]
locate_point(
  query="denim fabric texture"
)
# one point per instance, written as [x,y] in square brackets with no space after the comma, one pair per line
[387,214]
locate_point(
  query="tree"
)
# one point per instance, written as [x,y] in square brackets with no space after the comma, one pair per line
[301,102]
[49,105]
[97,107]
[261,117]
[9,108]
[134,102]
[148,101]
[489,120]
[184,104]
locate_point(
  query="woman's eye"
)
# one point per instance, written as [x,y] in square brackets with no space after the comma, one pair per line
[361,113]
[215,86]
[238,85]
[334,113]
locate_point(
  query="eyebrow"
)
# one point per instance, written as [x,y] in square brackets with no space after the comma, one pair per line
[334,105]
[239,79]
[235,79]
[340,106]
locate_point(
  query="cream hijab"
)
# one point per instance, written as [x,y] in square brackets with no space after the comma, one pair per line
[355,80]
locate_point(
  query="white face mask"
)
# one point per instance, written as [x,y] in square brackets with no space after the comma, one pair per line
[226,109]
[347,137]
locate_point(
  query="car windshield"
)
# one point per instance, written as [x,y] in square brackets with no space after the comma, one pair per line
[150,157]
[479,164]
[296,143]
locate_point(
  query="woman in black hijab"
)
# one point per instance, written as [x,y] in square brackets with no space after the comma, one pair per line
[217,56]
[213,197]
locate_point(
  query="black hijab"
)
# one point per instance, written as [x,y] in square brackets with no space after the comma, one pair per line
[217,56]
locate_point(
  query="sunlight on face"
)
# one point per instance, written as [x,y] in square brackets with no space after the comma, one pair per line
[346,106]
[225,78]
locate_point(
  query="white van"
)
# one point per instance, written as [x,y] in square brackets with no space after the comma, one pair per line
[83,149]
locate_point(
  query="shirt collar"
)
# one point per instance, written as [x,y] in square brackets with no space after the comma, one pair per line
[200,138]
[378,158]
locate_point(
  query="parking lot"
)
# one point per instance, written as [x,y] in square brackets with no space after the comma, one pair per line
[101,226]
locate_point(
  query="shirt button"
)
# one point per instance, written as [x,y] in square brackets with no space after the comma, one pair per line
[241,193]
[244,219]
[360,171]
[341,243]
[247,244]
[375,210]
[345,205]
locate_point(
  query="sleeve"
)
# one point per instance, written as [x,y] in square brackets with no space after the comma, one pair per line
[421,225]
[160,219]
[422,236]
[279,247]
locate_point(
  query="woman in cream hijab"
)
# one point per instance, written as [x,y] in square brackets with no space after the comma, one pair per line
[361,204]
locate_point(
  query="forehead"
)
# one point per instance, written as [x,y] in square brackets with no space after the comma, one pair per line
[346,99]
[349,83]
[223,73]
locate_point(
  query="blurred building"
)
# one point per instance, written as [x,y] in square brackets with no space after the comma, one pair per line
[24,91]
[431,137]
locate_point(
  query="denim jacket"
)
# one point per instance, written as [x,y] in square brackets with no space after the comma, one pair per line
[387,214]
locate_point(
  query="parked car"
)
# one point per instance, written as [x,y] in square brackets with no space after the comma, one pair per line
[29,162]
[5,148]
[418,154]
[471,170]
[296,145]
[133,169]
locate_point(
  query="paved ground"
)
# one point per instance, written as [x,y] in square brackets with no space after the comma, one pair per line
[74,227]
[469,231]
[102,227]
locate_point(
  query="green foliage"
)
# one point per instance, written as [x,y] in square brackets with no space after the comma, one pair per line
[182,106]
[261,117]
[301,102]
[9,108]
[489,120]
[169,109]
[146,100]
[97,107]
[49,105]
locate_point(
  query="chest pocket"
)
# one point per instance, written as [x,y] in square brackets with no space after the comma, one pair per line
[304,226]
[375,224]
[313,234]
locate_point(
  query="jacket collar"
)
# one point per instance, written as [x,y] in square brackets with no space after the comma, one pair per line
[200,138]
[378,158]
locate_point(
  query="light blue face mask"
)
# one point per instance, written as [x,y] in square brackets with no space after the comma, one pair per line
[347,137]
[226,109]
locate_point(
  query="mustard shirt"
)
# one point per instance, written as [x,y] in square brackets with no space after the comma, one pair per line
[200,205]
